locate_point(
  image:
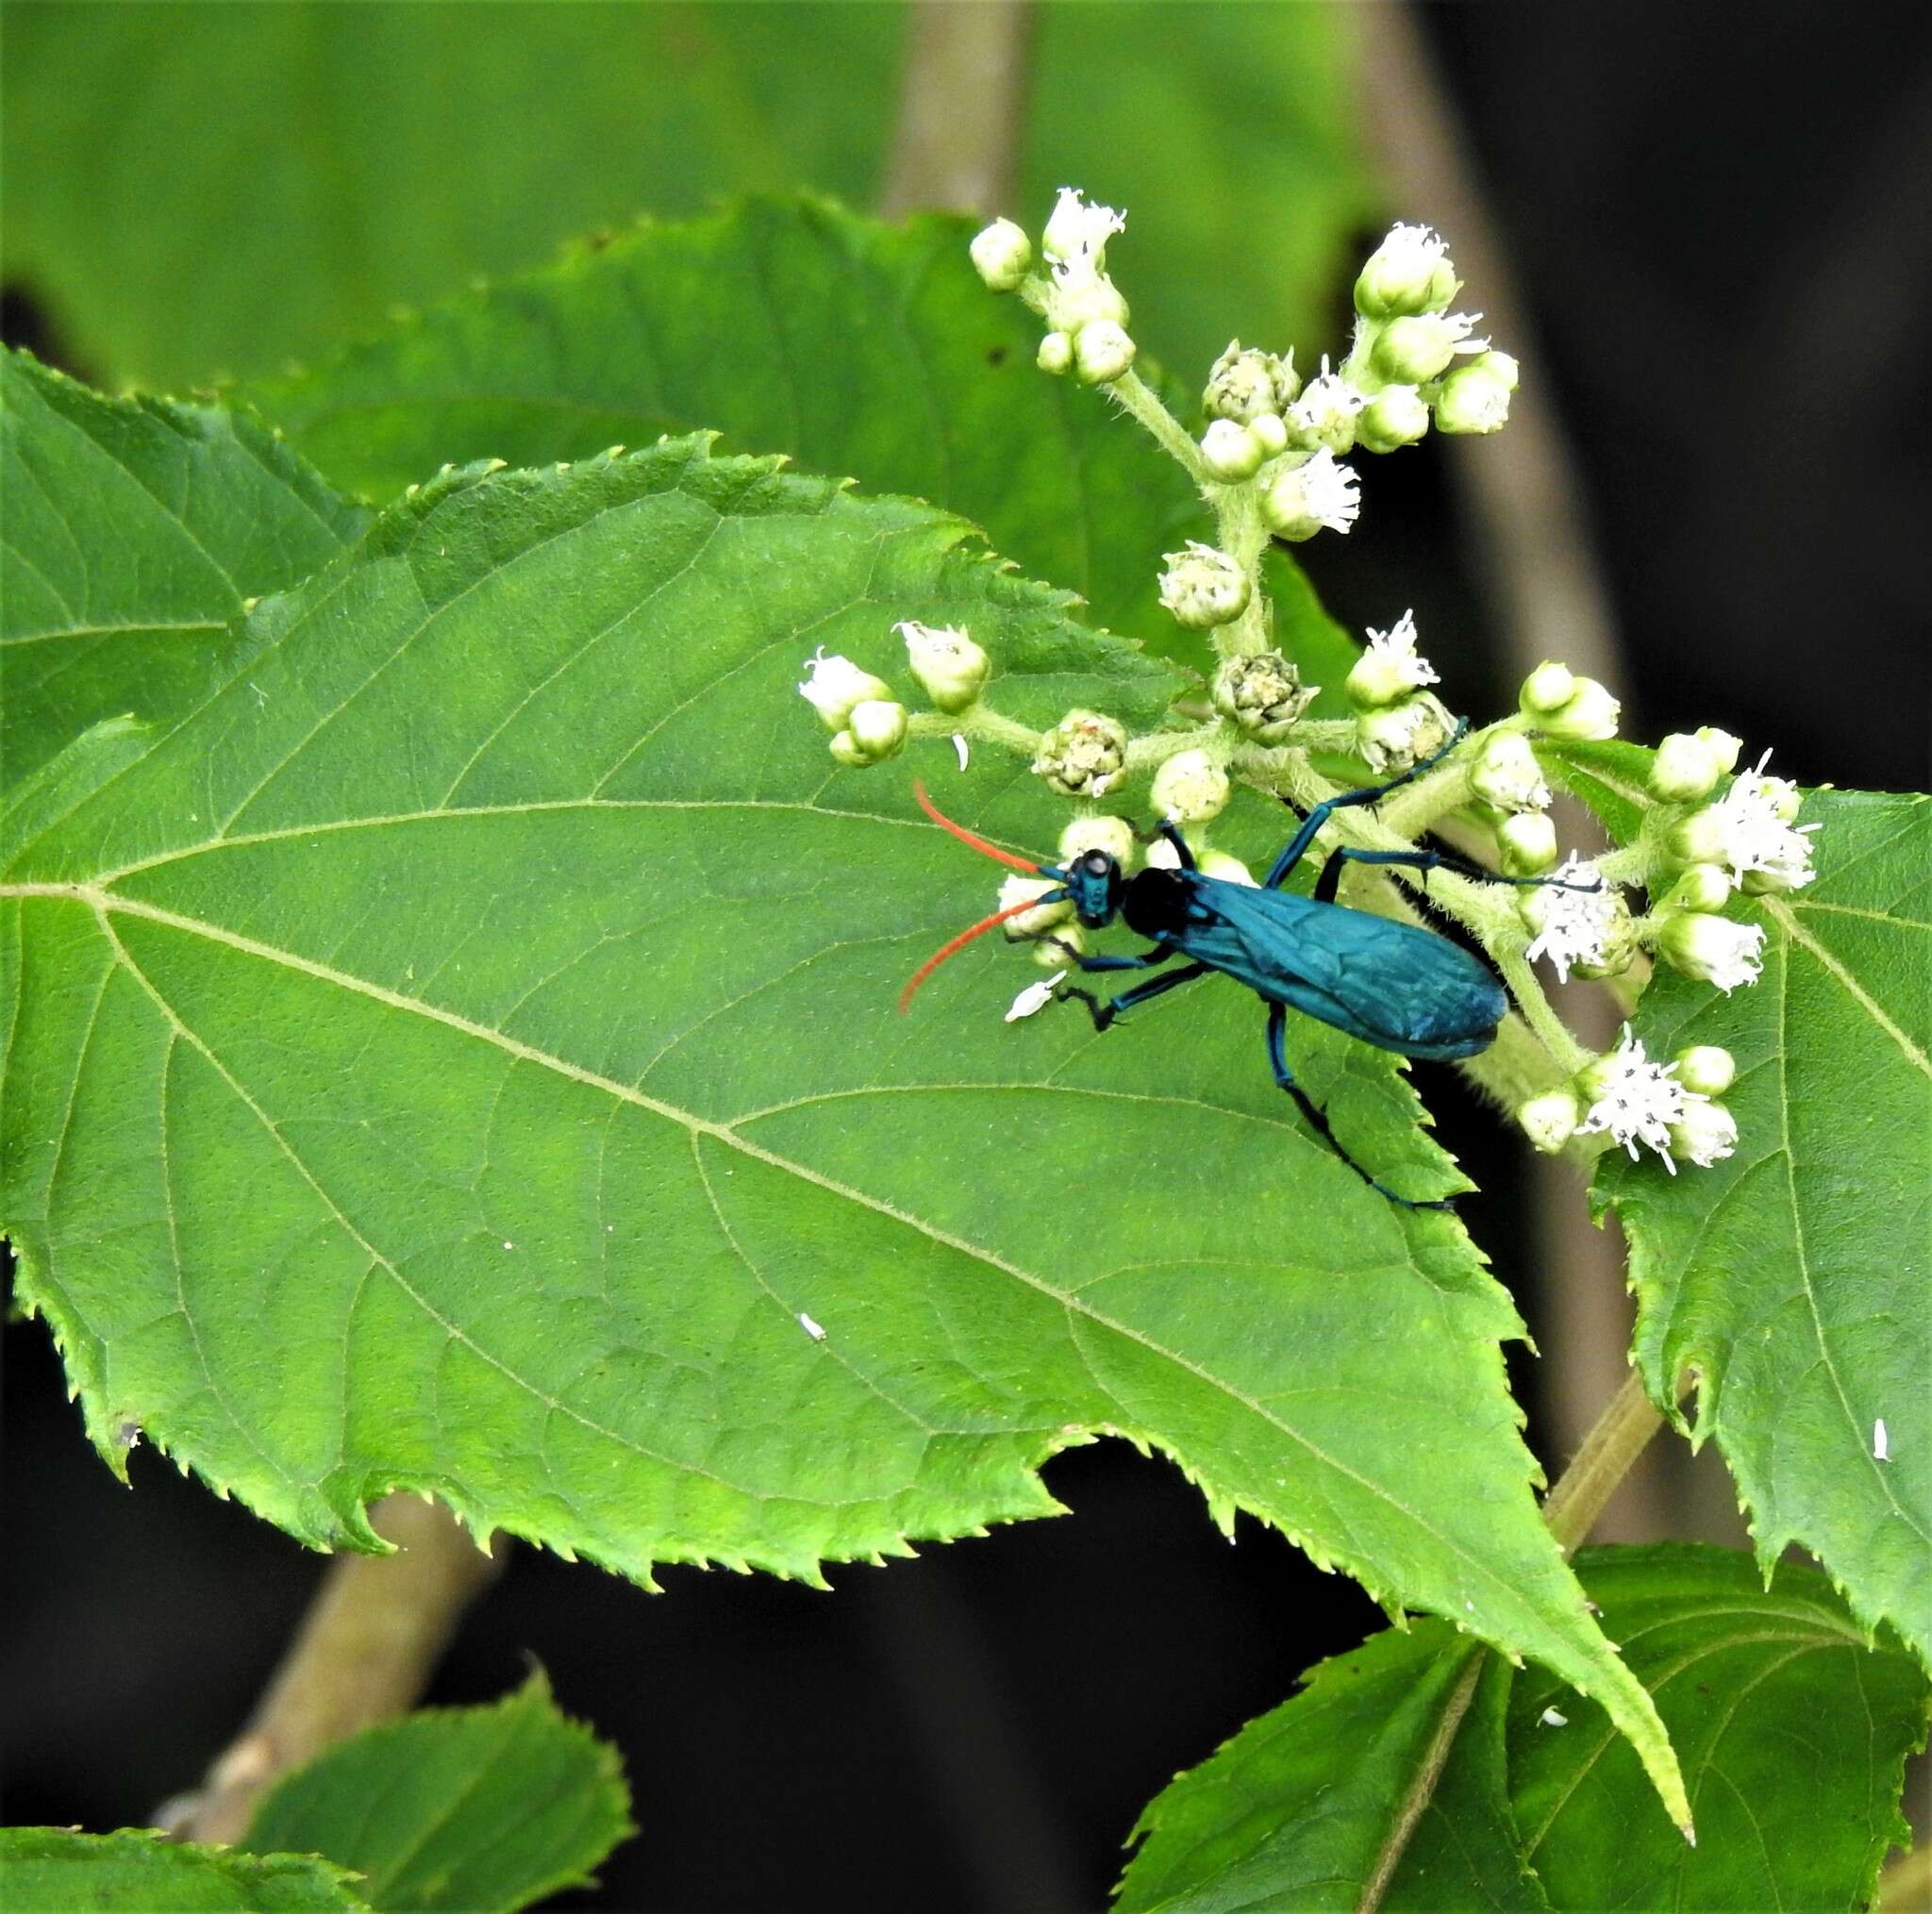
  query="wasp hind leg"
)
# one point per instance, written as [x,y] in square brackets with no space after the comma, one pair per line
[1105,1010]
[1423,862]
[1284,1076]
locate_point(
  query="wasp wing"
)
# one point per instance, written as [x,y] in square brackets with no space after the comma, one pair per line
[1394,985]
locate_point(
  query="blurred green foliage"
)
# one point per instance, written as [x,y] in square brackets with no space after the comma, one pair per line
[195,192]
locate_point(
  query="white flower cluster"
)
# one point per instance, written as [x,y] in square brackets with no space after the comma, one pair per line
[1086,317]
[1397,720]
[1581,921]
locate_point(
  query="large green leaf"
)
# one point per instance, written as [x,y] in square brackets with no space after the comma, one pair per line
[461,1055]
[1382,1783]
[855,347]
[479,1811]
[56,1871]
[134,531]
[197,191]
[1793,1276]
[1794,1734]
[1374,1788]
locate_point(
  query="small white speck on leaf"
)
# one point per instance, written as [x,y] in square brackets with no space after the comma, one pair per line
[810,1328]
[1551,1719]
[1470,1606]
[1034,997]
[1881,1442]
[959,745]
[507,1244]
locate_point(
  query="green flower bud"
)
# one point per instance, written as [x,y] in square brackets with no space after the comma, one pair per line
[1395,417]
[1547,690]
[1271,433]
[1191,787]
[1471,400]
[1231,453]
[1702,838]
[1055,354]
[1508,775]
[1714,950]
[1322,493]
[949,666]
[1409,272]
[1395,739]
[845,749]
[1115,836]
[1550,1120]
[1082,755]
[876,729]
[1724,748]
[1588,712]
[834,685]
[1706,1133]
[1687,769]
[1413,351]
[1502,365]
[1262,692]
[1703,886]
[1161,855]
[1705,1069]
[1075,301]
[1102,352]
[1001,254]
[1230,870]
[1376,681]
[1243,384]
[1202,587]
[1527,842]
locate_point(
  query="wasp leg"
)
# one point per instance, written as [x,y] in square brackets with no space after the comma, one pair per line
[1155,954]
[1104,1012]
[1277,1057]
[1369,793]
[1425,861]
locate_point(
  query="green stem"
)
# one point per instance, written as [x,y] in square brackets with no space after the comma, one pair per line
[979,721]
[1569,1055]
[1137,398]
[1616,1440]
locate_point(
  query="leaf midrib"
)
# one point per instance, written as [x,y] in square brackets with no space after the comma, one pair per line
[101,904]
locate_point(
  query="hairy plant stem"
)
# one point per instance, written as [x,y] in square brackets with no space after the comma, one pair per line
[1139,400]
[1615,1440]
[363,1654]
[977,722]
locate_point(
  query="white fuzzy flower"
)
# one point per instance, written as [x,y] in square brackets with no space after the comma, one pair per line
[1326,409]
[1076,234]
[1755,830]
[1575,928]
[1394,651]
[1320,494]
[1706,1133]
[1635,1101]
[834,685]
[1716,950]
[949,666]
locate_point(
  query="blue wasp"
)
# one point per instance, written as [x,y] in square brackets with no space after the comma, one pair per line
[1397,986]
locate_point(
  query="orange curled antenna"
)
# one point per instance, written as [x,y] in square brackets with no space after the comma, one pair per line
[966,836]
[959,943]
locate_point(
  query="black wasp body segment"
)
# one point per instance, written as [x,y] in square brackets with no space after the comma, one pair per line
[1397,986]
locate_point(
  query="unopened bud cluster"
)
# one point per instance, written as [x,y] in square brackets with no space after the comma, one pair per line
[1398,720]
[1086,317]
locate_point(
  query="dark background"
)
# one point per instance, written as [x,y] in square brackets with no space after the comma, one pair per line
[1721,220]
